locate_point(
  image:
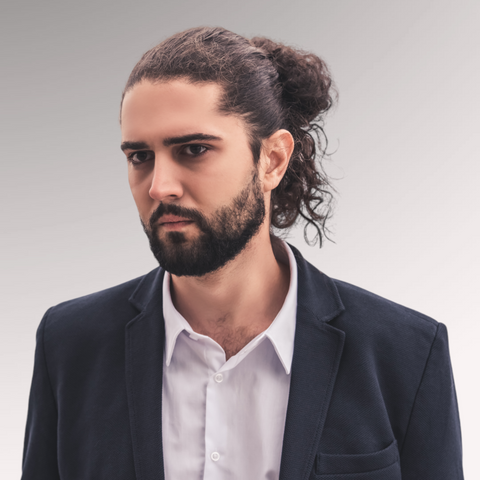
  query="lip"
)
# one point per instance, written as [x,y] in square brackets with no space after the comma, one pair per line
[172,219]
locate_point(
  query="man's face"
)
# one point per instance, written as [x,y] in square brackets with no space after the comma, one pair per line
[192,176]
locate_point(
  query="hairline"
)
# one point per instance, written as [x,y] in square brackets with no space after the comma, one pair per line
[255,143]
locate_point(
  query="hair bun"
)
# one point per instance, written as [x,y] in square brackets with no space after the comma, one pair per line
[304,77]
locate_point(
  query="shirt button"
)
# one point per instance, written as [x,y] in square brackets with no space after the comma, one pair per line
[215,456]
[219,379]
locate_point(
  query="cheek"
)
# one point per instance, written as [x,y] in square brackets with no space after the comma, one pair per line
[140,187]
[210,192]
[220,182]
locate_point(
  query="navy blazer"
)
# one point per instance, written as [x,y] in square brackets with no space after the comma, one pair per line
[371,398]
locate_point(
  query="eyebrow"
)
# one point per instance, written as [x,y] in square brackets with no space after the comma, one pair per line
[133,146]
[170,141]
[189,138]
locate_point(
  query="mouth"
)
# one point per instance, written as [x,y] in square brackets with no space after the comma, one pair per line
[172,222]
[167,219]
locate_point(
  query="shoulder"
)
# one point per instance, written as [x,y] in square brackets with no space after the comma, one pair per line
[355,309]
[367,306]
[379,328]
[102,311]
[362,315]
[374,327]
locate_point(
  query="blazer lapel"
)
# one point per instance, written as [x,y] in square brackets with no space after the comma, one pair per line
[144,370]
[317,351]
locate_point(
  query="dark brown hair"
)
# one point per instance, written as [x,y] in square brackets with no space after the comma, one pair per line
[270,86]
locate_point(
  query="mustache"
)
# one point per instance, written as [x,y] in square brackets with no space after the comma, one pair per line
[172,209]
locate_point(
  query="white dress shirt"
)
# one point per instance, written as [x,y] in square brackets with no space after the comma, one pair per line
[224,419]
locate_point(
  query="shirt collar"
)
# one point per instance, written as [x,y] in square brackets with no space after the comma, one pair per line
[174,321]
[281,331]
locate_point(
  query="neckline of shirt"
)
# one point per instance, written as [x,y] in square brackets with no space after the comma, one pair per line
[281,331]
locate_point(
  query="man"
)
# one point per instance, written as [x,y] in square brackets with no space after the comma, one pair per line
[236,358]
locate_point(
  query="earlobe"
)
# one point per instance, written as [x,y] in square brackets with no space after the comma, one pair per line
[277,150]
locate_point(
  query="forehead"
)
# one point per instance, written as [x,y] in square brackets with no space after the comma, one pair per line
[174,107]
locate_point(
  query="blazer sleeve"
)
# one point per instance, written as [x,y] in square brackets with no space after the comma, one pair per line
[40,448]
[432,449]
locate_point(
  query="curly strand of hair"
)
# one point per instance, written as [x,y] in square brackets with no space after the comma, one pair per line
[305,191]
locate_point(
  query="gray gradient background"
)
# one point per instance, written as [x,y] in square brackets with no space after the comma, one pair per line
[405,134]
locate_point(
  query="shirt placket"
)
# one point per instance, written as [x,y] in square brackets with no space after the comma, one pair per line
[216,414]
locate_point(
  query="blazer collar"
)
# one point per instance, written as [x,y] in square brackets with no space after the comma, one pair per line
[317,350]
[316,291]
[149,289]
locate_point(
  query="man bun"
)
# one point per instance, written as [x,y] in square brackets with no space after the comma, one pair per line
[305,80]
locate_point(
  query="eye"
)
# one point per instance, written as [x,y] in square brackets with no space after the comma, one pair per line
[194,150]
[137,158]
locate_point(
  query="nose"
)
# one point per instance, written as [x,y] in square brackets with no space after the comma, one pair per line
[165,182]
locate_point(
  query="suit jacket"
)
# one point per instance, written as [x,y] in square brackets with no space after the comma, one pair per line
[371,398]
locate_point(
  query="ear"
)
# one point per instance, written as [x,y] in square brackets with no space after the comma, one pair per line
[275,157]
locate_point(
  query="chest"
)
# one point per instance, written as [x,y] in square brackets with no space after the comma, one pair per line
[216,414]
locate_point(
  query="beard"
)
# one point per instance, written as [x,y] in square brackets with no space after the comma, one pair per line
[222,236]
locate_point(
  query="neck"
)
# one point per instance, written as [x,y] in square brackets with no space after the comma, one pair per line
[240,300]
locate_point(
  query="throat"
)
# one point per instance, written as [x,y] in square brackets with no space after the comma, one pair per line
[233,339]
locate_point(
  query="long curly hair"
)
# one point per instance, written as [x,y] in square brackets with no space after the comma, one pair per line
[271,86]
